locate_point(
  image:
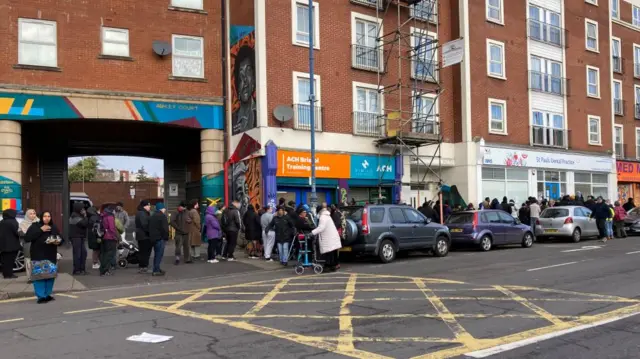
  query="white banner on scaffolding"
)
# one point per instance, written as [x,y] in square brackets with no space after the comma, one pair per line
[452,52]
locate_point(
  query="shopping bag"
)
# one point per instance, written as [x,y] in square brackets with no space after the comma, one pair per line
[43,269]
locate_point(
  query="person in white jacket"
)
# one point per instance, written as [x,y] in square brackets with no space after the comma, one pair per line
[329,239]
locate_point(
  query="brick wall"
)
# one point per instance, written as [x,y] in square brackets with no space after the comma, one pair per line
[79,45]
[113,192]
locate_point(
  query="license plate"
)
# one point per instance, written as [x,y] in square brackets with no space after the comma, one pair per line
[550,231]
[346,249]
[456,230]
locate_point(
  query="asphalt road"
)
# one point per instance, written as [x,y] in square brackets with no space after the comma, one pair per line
[555,300]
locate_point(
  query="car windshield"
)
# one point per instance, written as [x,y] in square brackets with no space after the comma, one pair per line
[460,218]
[555,213]
[355,215]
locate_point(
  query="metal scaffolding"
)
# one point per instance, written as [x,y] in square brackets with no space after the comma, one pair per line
[409,123]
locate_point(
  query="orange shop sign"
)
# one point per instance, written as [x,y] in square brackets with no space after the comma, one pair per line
[328,165]
[628,171]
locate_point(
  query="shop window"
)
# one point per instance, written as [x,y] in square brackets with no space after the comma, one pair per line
[500,182]
[551,184]
[595,184]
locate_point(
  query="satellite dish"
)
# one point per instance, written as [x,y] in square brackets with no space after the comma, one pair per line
[283,113]
[161,48]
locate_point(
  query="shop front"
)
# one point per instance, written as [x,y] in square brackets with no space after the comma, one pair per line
[340,177]
[519,174]
[628,180]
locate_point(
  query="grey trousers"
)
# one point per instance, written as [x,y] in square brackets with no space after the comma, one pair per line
[182,245]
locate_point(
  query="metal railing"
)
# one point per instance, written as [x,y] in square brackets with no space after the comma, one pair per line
[543,82]
[547,33]
[548,136]
[371,3]
[366,57]
[425,11]
[424,70]
[617,62]
[425,125]
[618,106]
[302,117]
[367,123]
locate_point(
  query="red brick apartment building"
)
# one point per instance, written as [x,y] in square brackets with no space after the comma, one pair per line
[526,113]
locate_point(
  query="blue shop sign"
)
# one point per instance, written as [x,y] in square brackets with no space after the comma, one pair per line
[373,167]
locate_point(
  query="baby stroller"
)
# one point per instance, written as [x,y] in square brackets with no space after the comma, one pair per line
[308,250]
[127,253]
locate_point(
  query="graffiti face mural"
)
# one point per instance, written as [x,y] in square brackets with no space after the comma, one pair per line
[243,83]
[247,183]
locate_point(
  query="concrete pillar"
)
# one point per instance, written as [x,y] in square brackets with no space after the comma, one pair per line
[10,165]
[212,160]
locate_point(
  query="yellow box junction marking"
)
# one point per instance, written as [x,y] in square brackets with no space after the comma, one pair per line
[343,344]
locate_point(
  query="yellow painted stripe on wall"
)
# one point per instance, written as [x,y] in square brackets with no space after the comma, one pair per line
[5,105]
[6,203]
[27,107]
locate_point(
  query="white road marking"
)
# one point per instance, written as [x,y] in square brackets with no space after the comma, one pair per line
[506,347]
[584,248]
[634,252]
[553,266]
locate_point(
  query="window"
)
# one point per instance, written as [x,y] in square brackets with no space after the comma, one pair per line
[495,12]
[595,184]
[424,59]
[638,142]
[301,103]
[544,26]
[426,10]
[506,218]
[495,59]
[548,129]
[615,9]
[188,56]
[396,215]
[115,42]
[593,2]
[376,215]
[619,140]
[367,49]
[593,82]
[413,216]
[618,105]
[551,184]
[300,22]
[425,114]
[187,4]
[366,109]
[636,61]
[636,90]
[636,16]
[497,116]
[37,43]
[616,52]
[546,76]
[591,35]
[510,182]
[594,130]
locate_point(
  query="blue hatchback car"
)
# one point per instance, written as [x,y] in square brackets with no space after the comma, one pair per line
[487,228]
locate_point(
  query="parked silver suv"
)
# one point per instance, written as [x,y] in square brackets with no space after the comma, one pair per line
[384,230]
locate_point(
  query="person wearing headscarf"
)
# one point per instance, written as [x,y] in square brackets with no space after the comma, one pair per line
[195,227]
[45,239]
[9,242]
[30,218]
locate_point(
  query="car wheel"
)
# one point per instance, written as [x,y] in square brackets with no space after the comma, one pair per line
[486,243]
[576,235]
[441,248]
[387,252]
[18,265]
[527,241]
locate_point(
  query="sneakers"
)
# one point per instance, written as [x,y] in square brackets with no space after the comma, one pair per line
[231,259]
[106,274]
[95,266]
[253,257]
[212,261]
[269,260]
[158,274]
[143,270]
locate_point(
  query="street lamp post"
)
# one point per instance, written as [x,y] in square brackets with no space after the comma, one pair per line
[312,122]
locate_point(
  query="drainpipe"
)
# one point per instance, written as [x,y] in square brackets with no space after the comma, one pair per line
[225,84]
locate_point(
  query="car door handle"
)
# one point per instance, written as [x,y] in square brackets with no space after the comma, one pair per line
[392,227]
[415,226]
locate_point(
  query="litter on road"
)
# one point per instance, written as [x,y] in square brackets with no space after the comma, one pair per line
[149,338]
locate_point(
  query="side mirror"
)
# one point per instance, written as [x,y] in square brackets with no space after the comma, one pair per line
[517,221]
[427,220]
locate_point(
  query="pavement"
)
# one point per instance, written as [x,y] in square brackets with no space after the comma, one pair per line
[555,300]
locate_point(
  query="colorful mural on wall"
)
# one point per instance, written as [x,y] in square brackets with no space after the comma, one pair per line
[213,188]
[10,194]
[247,183]
[27,107]
[243,79]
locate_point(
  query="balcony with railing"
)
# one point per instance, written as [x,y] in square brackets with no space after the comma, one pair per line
[543,82]
[426,125]
[549,136]
[370,3]
[547,33]
[617,64]
[367,123]
[366,57]
[302,116]
[618,106]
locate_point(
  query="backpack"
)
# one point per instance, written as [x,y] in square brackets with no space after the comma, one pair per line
[224,219]
[98,228]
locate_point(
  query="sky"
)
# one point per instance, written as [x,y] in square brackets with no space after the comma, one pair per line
[153,166]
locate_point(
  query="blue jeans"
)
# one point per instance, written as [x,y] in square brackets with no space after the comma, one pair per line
[283,251]
[43,288]
[610,229]
[158,253]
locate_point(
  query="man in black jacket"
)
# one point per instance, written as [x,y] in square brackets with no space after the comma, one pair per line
[142,235]
[9,242]
[629,205]
[601,213]
[159,235]
[92,239]
[78,224]
[232,225]
[283,227]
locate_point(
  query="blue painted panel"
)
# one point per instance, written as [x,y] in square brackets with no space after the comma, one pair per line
[373,167]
